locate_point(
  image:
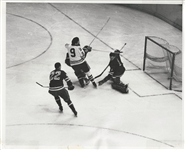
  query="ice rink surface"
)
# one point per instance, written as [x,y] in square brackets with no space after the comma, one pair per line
[149,117]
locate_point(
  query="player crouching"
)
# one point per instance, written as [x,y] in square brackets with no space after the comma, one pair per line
[117,69]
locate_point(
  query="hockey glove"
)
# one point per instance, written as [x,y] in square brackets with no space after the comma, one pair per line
[87,49]
[71,87]
[67,62]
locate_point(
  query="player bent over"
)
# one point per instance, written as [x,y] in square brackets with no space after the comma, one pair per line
[117,69]
[56,87]
[79,74]
[76,56]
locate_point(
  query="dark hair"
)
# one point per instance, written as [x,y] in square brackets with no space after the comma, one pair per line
[57,65]
[112,54]
[75,40]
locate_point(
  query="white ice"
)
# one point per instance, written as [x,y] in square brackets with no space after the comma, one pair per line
[150,116]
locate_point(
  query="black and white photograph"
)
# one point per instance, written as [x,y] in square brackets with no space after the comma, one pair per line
[92,75]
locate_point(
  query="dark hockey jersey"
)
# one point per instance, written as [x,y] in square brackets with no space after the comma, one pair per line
[56,80]
[116,63]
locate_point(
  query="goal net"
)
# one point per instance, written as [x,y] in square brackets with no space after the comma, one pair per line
[163,62]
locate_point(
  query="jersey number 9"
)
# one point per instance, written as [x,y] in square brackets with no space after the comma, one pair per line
[72,52]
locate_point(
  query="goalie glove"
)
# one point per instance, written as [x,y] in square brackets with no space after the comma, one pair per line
[87,49]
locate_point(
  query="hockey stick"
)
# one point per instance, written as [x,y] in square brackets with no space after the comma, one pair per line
[99,31]
[42,85]
[109,51]
[102,72]
[123,47]
[108,64]
[100,50]
[46,86]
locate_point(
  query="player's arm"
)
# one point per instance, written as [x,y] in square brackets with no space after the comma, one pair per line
[68,81]
[87,49]
[67,60]
[81,53]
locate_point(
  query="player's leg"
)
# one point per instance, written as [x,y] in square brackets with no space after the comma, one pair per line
[116,74]
[85,78]
[80,75]
[120,87]
[117,83]
[108,77]
[87,81]
[70,104]
[65,95]
[116,80]
[91,78]
[86,69]
[57,99]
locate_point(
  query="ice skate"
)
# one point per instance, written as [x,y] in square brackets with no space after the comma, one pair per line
[126,86]
[82,84]
[87,81]
[100,83]
[61,109]
[94,84]
[75,113]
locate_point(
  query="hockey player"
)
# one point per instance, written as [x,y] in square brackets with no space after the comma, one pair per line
[76,59]
[56,87]
[80,74]
[117,69]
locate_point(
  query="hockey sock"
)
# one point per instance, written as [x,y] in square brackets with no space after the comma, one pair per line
[105,79]
[73,108]
[59,103]
[80,75]
[57,99]
[90,76]
[117,80]
[86,80]
[81,81]
[91,79]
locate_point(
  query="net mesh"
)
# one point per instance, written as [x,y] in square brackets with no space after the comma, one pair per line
[159,64]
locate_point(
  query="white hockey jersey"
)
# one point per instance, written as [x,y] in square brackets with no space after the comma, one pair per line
[76,55]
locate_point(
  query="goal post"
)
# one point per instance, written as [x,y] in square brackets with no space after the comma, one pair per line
[160,60]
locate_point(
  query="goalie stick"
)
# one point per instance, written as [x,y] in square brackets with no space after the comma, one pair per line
[102,72]
[109,51]
[108,64]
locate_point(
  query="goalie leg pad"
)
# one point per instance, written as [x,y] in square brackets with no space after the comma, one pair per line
[120,87]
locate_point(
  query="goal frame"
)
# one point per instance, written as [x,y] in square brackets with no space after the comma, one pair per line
[172,53]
